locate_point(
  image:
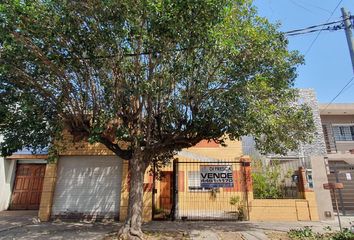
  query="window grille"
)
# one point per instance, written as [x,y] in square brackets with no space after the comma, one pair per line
[343,133]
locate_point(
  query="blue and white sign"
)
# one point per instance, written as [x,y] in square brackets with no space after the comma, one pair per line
[216,176]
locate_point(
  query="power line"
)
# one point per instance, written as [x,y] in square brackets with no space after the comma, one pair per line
[311,27]
[318,34]
[329,28]
[339,93]
[300,6]
[318,7]
[348,87]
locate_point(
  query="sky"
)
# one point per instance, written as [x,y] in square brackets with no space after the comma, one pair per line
[327,67]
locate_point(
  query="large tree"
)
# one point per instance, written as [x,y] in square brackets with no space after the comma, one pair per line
[156,75]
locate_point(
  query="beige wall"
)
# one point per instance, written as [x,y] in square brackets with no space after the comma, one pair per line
[328,119]
[45,207]
[282,210]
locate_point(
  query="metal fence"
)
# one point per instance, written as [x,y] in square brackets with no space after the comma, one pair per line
[214,190]
[344,173]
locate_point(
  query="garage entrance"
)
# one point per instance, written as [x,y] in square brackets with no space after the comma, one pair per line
[88,187]
[28,187]
[343,172]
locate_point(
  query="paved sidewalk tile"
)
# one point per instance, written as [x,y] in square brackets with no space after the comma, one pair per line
[14,219]
[254,235]
[203,235]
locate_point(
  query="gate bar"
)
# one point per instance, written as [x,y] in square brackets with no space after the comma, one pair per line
[174,190]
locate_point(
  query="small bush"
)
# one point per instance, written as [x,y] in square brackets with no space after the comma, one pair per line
[346,234]
[303,233]
[307,233]
[267,180]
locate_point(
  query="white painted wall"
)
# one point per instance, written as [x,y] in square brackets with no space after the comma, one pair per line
[7,175]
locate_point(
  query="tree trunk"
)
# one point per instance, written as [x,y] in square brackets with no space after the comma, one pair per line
[131,230]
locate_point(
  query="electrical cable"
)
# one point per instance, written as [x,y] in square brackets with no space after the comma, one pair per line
[314,40]
[311,27]
[301,6]
[334,28]
[339,93]
[318,7]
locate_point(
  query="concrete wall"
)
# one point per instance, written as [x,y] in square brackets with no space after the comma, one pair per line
[319,174]
[7,175]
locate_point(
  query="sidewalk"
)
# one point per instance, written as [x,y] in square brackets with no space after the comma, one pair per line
[13,219]
[24,225]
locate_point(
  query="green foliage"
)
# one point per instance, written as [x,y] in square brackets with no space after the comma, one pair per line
[235,200]
[157,75]
[213,193]
[303,234]
[307,233]
[346,234]
[267,182]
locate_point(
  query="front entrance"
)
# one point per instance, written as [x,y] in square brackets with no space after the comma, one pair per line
[166,191]
[343,172]
[210,190]
[28,187]
[202,190]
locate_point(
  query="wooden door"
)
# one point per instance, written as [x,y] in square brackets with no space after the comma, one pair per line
[28,185]
[166,191]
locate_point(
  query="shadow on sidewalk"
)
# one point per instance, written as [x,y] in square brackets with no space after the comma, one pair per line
[12,219]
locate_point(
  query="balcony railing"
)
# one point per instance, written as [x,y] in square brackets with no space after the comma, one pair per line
[342,143]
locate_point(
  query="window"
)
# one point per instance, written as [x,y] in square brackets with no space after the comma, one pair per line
[343,133]
[194,182]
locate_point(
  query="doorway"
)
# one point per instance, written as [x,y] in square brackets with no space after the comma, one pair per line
[166,191]
[27,191]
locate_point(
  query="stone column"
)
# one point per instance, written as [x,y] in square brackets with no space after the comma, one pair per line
[50,177]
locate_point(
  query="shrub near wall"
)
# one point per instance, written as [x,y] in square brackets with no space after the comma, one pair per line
[267,181]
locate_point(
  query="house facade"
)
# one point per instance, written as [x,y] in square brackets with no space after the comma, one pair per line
[338,128]
[88,181]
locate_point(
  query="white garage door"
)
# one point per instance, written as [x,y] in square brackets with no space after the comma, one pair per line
[88,186]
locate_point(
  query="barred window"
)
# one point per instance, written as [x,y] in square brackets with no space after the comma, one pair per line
[343,133]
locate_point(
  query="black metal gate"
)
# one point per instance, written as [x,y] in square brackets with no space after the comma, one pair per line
[344,173]
[214,190]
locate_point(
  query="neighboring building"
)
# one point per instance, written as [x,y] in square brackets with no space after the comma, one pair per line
[338,128]
[7,173]
[21,180]
[311,156]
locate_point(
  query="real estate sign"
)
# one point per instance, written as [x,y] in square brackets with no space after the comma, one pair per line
[215,176]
